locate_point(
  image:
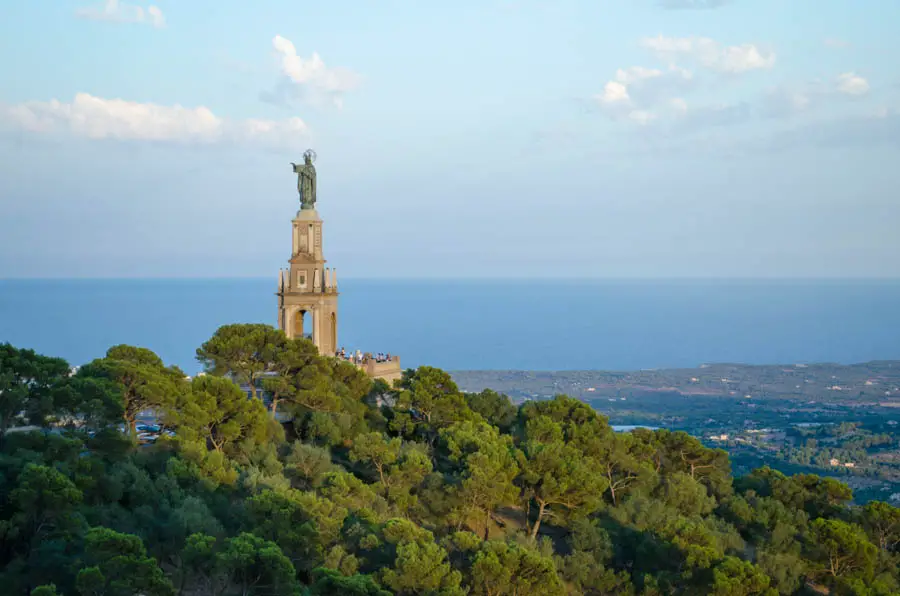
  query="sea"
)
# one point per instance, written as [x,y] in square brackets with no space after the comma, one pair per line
[479,325]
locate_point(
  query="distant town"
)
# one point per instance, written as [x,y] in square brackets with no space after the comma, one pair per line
[830,419]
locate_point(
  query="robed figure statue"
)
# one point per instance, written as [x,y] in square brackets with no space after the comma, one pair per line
[306,180]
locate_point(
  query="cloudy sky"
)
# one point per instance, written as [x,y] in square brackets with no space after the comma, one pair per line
[474,138]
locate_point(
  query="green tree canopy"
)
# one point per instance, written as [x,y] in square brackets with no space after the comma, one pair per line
[842,550]
[345,486]
[301,377]
[494,407]
[27,380]
[489,464]
[557,476]
[882,521]
[141,379]
[507,569]
[244,351]
[257,566]
[216,412]
[429,395]
[117,565]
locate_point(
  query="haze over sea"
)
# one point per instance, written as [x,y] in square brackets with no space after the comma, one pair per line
[457,325]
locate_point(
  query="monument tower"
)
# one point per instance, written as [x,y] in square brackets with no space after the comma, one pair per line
[307,290]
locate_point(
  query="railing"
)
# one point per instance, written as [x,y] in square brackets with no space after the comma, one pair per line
[368,359]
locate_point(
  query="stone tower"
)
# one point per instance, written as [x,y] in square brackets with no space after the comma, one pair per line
[307,290]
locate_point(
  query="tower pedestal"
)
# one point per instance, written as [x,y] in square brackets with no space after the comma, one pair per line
[307,290]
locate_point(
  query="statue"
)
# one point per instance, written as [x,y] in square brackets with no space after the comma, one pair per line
[306,180]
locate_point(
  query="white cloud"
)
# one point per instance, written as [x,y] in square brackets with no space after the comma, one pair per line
[120,12]
[93,117]
[711,54]
[637,89]
[637,73]
[309,79]
[614,92]
[655,95]
[276,133]
[850,83]
[801,97]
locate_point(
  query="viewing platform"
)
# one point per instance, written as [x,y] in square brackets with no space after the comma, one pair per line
[387,369]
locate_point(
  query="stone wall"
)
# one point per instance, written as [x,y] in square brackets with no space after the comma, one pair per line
[389,371]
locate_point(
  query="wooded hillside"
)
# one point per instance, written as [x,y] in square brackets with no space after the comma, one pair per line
[324,482]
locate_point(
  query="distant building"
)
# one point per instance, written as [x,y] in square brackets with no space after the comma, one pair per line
[834,462]
[849,464]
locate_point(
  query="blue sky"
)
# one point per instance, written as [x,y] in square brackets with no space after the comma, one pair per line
[476,138]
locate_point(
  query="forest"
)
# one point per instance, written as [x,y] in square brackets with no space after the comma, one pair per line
[280,472]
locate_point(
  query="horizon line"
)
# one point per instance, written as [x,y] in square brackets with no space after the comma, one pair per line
[801,363]
[474,278]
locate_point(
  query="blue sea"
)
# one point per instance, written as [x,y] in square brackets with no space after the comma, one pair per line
[459,325]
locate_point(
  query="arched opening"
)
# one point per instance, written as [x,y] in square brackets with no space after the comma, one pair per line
[302,324]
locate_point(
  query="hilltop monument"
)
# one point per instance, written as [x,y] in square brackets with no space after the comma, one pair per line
[307,289]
